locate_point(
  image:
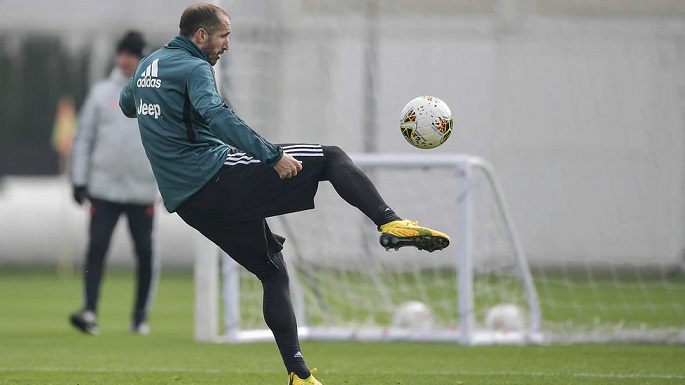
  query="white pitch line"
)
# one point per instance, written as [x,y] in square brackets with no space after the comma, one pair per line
[575,375]
[400,372]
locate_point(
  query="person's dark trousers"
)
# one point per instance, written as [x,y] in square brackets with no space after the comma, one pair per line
[104,217]
[231,211]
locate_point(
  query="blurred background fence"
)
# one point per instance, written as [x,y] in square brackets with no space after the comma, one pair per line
[578,104]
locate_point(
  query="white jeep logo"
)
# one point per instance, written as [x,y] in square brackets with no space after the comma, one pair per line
[149,109]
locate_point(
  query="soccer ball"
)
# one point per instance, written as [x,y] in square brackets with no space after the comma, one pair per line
[414,315]
[505,317]
[426,122]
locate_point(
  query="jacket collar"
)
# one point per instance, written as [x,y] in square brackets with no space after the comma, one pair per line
[182,42]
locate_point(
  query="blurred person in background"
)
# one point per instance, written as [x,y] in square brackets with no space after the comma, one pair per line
[110,170]
[63,130]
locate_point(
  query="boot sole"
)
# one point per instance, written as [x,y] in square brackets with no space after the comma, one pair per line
[429,243]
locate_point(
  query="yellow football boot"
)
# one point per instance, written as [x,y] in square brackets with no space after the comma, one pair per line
[398,234]
[293,379]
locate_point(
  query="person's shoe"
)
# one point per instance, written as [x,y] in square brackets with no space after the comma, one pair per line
[85,321]
[293,379]
[141,328]
[398,234]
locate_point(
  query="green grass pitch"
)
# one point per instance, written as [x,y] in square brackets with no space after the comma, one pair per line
[37,346]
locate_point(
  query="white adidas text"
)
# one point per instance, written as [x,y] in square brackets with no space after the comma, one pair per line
[149,83]
[148,78]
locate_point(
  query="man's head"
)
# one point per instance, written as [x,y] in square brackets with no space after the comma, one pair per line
[130,49]
[208,26]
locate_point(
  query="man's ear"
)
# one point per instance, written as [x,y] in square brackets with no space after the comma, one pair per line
[201,36]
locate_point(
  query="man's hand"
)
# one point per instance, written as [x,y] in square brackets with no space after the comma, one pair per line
[287,167]
[80,194]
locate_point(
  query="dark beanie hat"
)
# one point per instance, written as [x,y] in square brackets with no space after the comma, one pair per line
[133,43]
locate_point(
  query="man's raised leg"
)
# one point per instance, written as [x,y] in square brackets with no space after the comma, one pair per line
[357,189]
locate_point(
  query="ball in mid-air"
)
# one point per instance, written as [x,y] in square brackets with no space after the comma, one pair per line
[426,122]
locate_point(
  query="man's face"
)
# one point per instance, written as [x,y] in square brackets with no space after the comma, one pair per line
[127,62]
[217,43]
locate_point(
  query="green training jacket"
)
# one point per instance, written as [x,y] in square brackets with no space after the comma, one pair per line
[186,128]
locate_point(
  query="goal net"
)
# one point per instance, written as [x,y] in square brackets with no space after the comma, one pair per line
[578,106]
[346,286]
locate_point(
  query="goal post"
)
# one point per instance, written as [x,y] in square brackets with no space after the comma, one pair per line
[357,297]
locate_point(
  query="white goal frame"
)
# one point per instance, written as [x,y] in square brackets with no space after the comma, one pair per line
[207,282]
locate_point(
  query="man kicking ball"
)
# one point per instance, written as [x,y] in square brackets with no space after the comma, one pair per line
[224,179]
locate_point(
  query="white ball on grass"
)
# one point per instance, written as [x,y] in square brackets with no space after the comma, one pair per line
[413,315]
[505,317]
